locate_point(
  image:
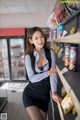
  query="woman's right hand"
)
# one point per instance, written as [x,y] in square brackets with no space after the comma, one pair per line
[52,71]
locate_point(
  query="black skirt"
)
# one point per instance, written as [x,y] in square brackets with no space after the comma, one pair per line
[36,97]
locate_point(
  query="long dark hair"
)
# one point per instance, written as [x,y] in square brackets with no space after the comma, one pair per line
[30,47]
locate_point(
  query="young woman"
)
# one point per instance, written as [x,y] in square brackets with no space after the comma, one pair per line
[42,75]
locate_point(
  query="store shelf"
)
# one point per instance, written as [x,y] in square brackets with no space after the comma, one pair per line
[74,38]
[71,82]
[50,40]
[56,109]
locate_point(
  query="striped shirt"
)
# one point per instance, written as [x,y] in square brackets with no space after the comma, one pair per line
[41,73]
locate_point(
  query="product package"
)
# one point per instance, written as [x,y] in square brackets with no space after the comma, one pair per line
[73,58]
[67,55]
[67,104]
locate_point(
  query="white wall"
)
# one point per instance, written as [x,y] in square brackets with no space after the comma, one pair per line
[23,20]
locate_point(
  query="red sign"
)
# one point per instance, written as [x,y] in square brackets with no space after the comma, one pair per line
[12,32]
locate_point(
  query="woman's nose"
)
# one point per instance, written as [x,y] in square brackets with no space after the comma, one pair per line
[40,40]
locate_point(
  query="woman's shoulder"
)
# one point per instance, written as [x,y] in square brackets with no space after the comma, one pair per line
[27,56]
[52,52]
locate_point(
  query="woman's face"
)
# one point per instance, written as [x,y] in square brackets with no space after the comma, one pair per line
[38,40]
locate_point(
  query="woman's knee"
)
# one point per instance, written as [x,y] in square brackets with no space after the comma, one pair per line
[34,113]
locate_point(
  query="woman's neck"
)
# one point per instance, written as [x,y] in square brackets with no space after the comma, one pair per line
[38,50]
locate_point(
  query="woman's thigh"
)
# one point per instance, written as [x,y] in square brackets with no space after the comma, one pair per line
[44,114]
[34,113]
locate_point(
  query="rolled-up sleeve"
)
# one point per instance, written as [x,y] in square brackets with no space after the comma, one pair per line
[53,77]
[32,76]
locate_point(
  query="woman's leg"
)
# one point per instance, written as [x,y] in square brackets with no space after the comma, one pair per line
[44,114]
[34,113]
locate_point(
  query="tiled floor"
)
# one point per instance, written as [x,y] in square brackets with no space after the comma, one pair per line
[14,107]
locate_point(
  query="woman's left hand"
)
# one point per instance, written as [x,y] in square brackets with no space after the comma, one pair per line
[56,98]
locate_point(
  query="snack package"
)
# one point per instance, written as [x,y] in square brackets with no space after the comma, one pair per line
[54,47]
[67,55]
[57,49]
[60,53]
[67,104]
[73,58]
[63,91]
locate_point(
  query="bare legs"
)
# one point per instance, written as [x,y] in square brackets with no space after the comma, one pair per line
[35,113]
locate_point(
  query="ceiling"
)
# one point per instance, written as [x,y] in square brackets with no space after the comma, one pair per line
[40,9]
[26,6]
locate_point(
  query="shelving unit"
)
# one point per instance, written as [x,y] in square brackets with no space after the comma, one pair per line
[70,80]
[71,83]
[74,39]
[57,109]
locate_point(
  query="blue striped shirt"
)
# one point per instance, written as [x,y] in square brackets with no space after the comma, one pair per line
[44,73]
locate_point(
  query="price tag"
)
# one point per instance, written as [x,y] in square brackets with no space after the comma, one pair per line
[64,70]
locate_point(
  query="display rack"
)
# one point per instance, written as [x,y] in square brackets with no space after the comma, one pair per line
[70,80]
[74,39]
[71,83]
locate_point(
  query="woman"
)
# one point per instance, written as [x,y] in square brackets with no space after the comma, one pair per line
[42,75]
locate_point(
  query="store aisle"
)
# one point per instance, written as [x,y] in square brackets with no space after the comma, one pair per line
[14,107]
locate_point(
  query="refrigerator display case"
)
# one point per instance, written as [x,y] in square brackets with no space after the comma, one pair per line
[17,59]
[4,65]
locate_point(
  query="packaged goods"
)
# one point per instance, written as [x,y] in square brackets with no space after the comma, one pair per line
[73,58]
[63,91]
[67,104]
[61,29]
[50,34]
[74,111]
[55,33]
[67,55]
[54,47]
[60,53]
[57,49]
[73,30]
[78,117]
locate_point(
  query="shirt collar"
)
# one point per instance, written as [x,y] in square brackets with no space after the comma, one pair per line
[36,53]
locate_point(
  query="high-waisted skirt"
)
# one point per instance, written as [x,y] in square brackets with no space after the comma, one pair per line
[33,97]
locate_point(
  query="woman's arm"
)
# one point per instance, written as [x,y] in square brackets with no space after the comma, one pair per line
[32,76]
[53,80]
[53,77]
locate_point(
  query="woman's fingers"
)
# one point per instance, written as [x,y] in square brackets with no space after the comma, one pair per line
[57,98]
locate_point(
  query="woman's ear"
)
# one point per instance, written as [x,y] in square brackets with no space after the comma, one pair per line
[30,41]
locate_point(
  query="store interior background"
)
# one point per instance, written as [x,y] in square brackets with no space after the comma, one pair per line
[16,17]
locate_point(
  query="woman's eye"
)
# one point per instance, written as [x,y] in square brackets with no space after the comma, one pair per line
[36,38]
[42,36]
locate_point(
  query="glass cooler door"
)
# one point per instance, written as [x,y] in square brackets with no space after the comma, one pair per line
[17,59]
[4,65]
